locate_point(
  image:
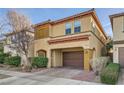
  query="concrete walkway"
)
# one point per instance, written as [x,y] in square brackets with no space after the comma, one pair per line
[44,77]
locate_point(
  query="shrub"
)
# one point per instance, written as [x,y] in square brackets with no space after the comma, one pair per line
[98,64]
[1,50]
[15,61]
[110,74]
[2,57]
[39,62]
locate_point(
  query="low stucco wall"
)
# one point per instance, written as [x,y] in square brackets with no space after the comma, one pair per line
[95,43]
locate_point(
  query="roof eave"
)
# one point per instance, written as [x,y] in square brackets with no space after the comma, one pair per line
[98,21]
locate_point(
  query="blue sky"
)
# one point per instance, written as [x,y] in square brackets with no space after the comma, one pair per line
[37,15]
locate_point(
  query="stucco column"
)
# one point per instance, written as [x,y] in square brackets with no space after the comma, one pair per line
[87,57]
[49,58]
[115,54]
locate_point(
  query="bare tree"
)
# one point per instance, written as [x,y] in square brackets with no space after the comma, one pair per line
[3,25]
[20,26]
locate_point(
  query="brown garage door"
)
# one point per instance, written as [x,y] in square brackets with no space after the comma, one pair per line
[121,56]
[73,59]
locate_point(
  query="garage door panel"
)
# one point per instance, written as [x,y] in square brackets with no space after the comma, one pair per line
[121,56]
[73,59]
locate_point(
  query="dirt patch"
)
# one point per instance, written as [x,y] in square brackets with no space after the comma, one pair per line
[19,69]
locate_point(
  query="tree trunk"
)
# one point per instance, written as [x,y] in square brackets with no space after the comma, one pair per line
[25,63]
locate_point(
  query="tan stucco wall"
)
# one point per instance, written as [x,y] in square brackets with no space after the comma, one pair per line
[83,44]
[43,44]
[118,28]
[72,49]
[40,44]
[95,43]
[88,55]
[59,29]
[99,32]
[54,51]
[57,58]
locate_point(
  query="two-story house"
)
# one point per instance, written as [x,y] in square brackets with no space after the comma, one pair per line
[70,42]
[117,22]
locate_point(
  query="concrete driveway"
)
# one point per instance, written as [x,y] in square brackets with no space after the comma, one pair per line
[53,76]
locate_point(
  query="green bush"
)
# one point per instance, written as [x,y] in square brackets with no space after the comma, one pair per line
[1,50]
[2,57]
[39,62]
[110,74]
[14,61]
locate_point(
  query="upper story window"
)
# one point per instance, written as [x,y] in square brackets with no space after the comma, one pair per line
[77,26]
[68,28]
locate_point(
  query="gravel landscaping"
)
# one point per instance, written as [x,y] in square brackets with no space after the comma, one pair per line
[13,68]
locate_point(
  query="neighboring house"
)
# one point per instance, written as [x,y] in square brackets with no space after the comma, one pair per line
[9,46]
[117,22]
[2,43]
[72,41]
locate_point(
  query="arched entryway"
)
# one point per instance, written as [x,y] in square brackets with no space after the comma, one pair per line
[41,53]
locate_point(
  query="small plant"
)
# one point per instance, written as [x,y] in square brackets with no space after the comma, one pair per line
[3,56]
[110,74]
[39,62]
[14,61]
